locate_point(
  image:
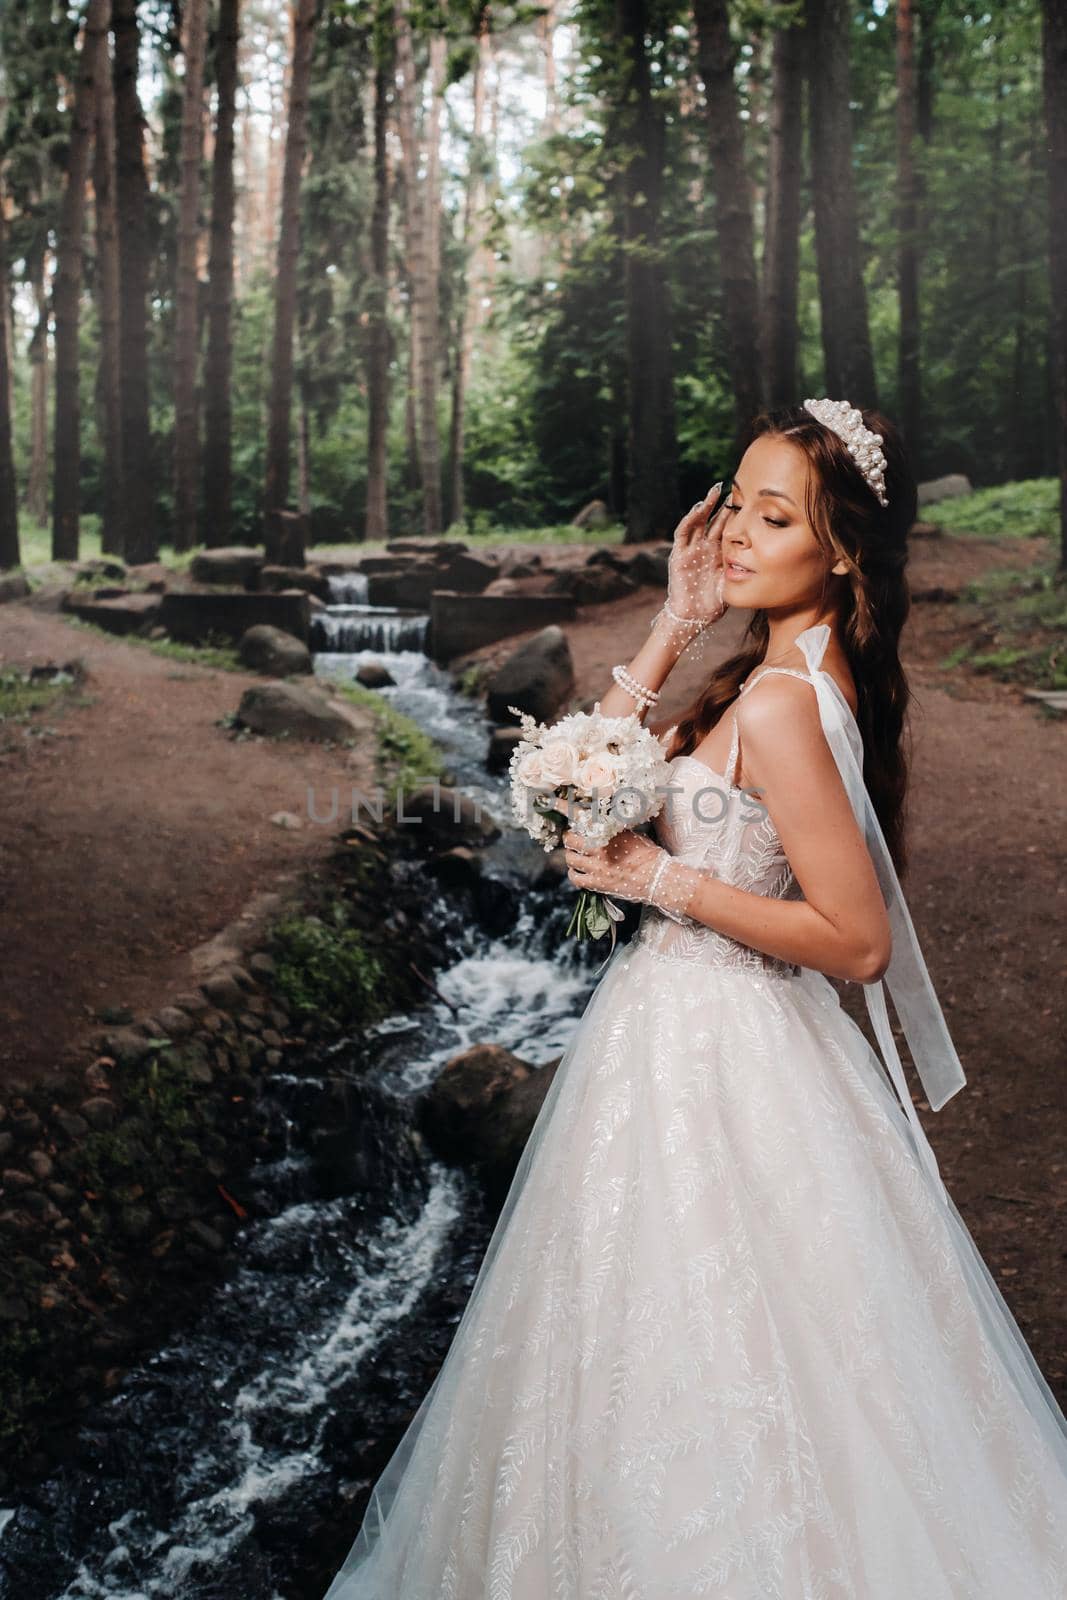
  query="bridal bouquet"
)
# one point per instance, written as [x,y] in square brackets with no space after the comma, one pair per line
[595,774]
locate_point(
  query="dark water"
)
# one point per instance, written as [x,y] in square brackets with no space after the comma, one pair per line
[230,1463]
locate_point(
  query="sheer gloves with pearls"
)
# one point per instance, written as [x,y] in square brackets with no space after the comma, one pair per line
[633,867]
[695,574]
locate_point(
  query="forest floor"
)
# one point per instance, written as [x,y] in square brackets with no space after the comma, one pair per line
[139,827]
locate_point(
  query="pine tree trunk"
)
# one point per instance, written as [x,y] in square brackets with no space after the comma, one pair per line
[139,536]
[376,526]
[218,360]
[420,204]
[66,296]
[846,338]
[9,513]
[187,290]
[733,213]
[469,295]
[1054,61]
[908,355]
[279,420]
[108,389]
[652,486]
[37,479]
[781,245]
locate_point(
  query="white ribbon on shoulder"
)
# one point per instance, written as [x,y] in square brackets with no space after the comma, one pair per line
[906,977]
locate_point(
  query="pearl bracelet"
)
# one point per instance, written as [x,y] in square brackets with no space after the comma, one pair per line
[644,696]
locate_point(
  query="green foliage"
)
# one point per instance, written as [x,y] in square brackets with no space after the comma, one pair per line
[409,754]
[1023,634]
[324,968]
[1022,510]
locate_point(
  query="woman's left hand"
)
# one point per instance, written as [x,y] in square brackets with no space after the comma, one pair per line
[622,867]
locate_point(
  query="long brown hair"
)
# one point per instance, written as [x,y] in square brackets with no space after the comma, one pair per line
[872,604]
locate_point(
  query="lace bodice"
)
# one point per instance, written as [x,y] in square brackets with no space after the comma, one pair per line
[709,821]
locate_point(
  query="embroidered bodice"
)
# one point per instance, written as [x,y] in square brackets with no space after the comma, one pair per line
[708,821]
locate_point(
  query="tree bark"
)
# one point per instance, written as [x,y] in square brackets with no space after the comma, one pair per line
[469,293]
[139,536]
[9,512]
[37,481]
[377,520]
[781,247]
[846,339]
[66,295]
[108,387]
[909,389]
[187,289]
[218,361]
[279,424]
[1054,77]
[732,196]
[652,485]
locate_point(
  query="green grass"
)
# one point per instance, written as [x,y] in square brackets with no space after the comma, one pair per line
[324,969]
[1022,637]
[20,699]
[1026,509]
[402,744]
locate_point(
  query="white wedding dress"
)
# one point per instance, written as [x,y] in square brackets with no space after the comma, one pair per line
[731,1337]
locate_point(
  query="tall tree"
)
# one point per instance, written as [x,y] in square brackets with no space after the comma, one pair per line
[108,385]
[781,243]
[187,297]
[909,386]
[9,513]
[420,205]
[279,418]
[846,337]
[37,479]
[469,290]
[652,447]
[218,362]
[1054,82]
[66,483]
[140,539]
[735,246]
[378,337]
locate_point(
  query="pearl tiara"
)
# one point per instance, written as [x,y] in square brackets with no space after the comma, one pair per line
[866,447]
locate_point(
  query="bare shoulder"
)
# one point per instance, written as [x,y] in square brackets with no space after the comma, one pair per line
[777,703]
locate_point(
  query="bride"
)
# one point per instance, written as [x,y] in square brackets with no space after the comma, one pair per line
[731,1337]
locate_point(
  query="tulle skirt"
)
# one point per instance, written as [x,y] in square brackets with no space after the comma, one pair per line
[728,1339]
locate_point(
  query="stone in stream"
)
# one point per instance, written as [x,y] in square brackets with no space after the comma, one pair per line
[373,675]
[301,711]
[537,677]
[447,816]
[273,651]
[481,1108]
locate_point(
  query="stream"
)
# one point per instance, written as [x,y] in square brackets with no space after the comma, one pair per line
[221,1467]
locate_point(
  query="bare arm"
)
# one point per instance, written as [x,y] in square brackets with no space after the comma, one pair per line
[841,927]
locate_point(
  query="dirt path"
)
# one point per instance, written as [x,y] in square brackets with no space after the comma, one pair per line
[133,834]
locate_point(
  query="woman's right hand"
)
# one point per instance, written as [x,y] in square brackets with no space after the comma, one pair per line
[695,571]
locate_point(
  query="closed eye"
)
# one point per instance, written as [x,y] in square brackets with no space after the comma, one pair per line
[770,520]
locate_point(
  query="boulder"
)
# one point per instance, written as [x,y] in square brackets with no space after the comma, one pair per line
[506,1127]
[650,567]
[456,1103]
[590,586]
[446,816]
[13,586]
[949,487]
[520,563]
[315,583]
[299,710]
[502,742]
[426,546]
[407,587]
[463,622]
[374,676]
[270,650]
[238,564]
[537,677]
[467,573]
[593,515]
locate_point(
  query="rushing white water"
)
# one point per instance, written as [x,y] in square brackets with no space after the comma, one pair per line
[202,1474]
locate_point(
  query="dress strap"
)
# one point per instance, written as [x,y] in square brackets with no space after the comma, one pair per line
[792,672]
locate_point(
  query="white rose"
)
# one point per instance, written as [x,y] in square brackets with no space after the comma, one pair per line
[599,772]
[559,761]
[529,768]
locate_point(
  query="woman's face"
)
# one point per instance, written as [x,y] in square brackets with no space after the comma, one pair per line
[768,534]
